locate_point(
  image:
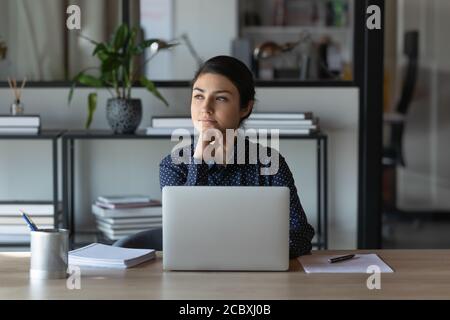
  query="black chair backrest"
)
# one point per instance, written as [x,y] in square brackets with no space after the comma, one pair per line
[411,50]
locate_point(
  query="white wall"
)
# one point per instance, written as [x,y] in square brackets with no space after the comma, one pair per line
[105,167]
[202,21]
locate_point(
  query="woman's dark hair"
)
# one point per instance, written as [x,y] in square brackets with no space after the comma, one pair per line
[236,71]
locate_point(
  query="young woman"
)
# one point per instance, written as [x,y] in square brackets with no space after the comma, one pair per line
[223,95]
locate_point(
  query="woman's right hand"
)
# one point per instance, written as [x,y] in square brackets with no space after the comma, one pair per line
[207,138]
[201,145]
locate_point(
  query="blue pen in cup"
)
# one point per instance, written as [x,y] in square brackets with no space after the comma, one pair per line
[29,222]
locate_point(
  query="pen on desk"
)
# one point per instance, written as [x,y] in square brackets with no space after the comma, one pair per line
[29,221]
[341,258]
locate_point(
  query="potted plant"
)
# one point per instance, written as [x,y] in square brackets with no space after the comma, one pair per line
[117,73]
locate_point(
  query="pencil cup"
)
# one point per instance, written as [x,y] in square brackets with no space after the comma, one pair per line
[49,254]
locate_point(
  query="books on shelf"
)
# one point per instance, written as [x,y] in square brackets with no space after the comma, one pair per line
[172,122]
[163,131]
[153,211]
[302,123]
[186,122]
[119,234]
[127,226]
[12,226]
[151,203]
[130,220]
[32,208]
[18,220]
[296,131]
[289,123]
[20,229]
[20,121]
[167,125]
[283,123]
[117,220]
[280,115]
[100,255]
[21,124]
[15,238]
[128,199]
[19,130]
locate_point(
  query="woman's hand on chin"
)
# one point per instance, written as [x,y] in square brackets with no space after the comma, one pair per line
[215,148]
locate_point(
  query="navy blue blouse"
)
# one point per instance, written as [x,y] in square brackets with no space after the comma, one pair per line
[192,173]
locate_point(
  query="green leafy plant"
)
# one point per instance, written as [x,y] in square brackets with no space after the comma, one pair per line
[117,70]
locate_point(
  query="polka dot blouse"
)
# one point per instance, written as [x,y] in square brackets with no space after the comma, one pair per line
[196,173]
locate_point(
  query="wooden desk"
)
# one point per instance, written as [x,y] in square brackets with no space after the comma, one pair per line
[419,274]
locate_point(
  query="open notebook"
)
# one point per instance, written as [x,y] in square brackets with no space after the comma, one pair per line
[100,255]
[318,263]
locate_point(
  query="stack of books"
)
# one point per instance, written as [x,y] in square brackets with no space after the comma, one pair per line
[303,123]
[293,123]
[22,124]
[13,229]
[121,216]
[166,125]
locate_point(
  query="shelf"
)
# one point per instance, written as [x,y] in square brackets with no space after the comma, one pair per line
[276,30]
[51,134]
[140,134]
[109,134]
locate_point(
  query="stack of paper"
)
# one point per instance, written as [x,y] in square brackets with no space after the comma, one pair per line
[361,263]
[100,255]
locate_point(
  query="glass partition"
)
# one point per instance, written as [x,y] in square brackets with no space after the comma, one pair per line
[35,42]
[293,40]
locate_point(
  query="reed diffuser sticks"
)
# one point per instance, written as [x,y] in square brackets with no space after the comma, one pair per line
[17,92]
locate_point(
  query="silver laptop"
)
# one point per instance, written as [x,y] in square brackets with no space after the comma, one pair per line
[225,228]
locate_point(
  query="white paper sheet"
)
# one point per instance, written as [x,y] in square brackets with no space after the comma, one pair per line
[318,263]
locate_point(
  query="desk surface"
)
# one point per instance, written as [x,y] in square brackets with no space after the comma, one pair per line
[419,274]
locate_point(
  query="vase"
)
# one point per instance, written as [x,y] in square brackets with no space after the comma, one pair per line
[124,115]
[17,108]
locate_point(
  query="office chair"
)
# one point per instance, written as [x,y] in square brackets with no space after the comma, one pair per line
[148,239]
[393,155]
